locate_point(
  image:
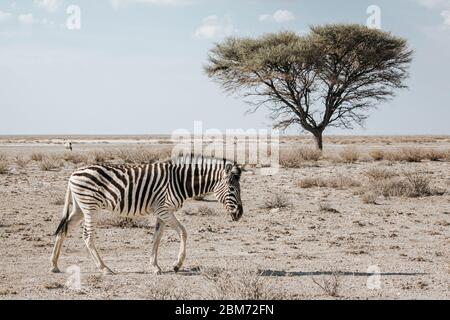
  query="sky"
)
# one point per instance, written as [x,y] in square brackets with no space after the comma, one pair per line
[135,66]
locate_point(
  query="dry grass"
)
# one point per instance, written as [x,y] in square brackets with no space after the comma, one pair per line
[205,211]
[369,197]
[75,157]
[296,158]
[141,155]
[379,174]
[4,167]
[339,182]
[329,284]
[410,155]
[239,285]
[377,155]
[37,156]
[349,155]
[99,156]
[21,161]
[326,207]
[408,184]
[49,163]
[57,198]
[277,201]
[164,289]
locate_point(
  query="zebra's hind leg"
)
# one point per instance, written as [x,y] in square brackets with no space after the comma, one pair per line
[88,235]
[74,218]
[159,230]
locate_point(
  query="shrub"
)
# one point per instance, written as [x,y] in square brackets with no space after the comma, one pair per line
[339,182]
[75,157]
[3,167]
[277,201]
[239,285]
[21,161]
[377,155]
[37,156]
[379,174]
[50,163]
[349,155]
[296,158]
[409,184]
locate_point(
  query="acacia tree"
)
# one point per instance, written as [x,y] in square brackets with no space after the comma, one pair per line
[328,78]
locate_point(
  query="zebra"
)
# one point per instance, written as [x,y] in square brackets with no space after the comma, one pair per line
[137,190]
[68,145]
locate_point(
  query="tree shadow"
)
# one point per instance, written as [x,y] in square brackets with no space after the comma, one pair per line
[277,273]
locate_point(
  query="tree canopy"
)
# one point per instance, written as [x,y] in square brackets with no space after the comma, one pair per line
[329,77]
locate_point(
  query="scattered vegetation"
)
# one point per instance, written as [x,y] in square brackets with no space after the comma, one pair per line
[75,157]
[3,167]
[239,285]
[349,155]
[326,207]
[296,158]
[21,161]
[142,155]
[57,198]
[407,184]
[329,284]
[205,211]
[277,201]
[339,182]
[49,163]
[37,156]
[409,155]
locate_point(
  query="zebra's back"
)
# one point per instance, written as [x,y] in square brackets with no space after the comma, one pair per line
[128,190]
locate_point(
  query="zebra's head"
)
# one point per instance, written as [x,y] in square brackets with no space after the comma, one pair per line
[228,191]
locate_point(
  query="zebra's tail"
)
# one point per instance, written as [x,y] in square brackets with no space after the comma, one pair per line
[62,227]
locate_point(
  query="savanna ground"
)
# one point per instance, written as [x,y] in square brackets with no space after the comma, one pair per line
[368,219]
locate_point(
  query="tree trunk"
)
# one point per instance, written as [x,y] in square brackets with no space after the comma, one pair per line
[319,140]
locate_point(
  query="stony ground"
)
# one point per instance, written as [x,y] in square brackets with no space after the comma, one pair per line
[292,243]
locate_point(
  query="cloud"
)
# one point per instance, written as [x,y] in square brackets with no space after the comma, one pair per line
[5,16]
[49,5]
[117,4]
[446,15]
[214,27]
[279,16]
[432,4]
[442,5]
[26,18]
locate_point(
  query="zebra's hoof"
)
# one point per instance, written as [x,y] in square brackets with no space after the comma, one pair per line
[157,272]
[55,270]
[107,271]
[176,268]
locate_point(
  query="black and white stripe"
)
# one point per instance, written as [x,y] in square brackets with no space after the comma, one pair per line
[136,190]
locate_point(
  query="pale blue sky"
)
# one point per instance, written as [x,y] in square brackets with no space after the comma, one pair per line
[135,66]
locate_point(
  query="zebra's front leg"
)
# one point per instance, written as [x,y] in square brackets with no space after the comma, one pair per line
[159,230]
[169,219]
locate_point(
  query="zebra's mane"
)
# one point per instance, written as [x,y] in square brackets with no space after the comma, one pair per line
[200,159]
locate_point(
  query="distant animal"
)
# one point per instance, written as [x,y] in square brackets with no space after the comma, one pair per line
[137,190]
[68,145]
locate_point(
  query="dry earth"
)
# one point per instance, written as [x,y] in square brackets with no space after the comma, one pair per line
[315,243]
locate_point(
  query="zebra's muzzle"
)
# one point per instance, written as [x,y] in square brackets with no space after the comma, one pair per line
[237,214]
